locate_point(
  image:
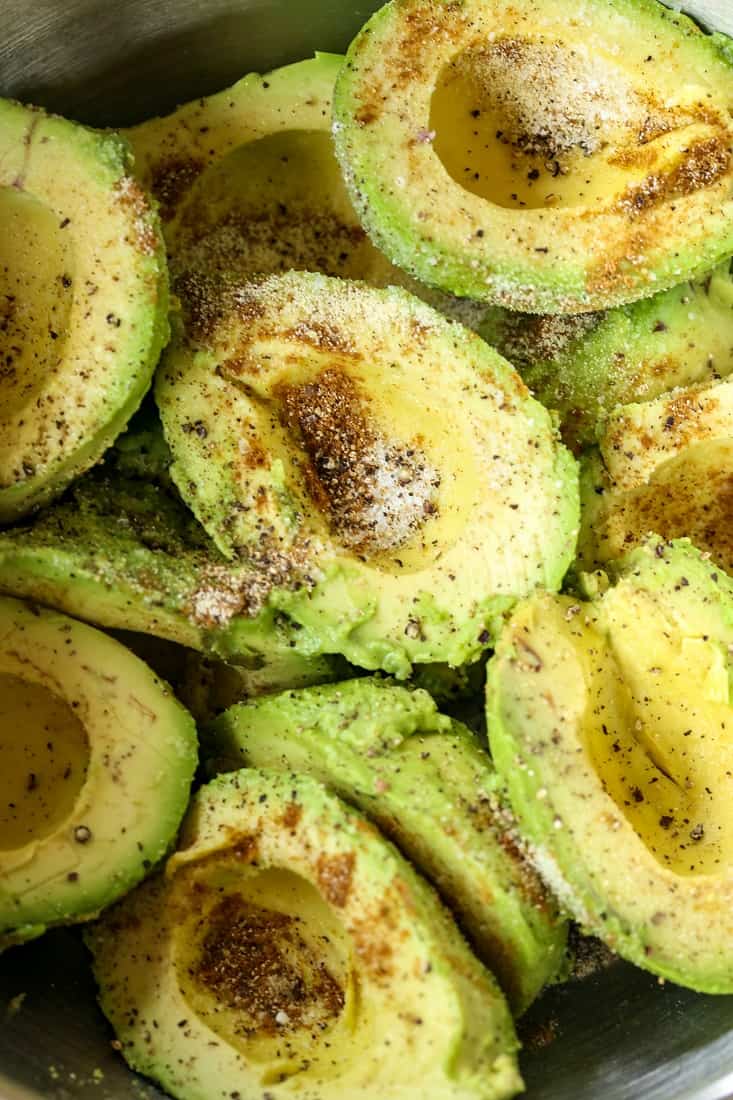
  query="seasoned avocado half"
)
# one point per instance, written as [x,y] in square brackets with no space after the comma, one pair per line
[288,948]
[507,152]
[83,301]
[249,183]
[428,784]
[664,466]
[610,723]
[98,759]
[584,365]
[386,472]
[124,554]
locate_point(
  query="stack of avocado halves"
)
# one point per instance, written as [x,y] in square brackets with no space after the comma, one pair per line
[265,420]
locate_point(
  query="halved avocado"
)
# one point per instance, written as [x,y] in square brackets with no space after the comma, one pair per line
[248,181]
[98,759]
[384,470]
[429,785]
[610,723]
[550,161]
[83,301]
[124,554]
[249,184]
[584,365]
[288,948]
[664,466]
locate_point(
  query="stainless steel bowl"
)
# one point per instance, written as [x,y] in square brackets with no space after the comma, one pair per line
[618,1034]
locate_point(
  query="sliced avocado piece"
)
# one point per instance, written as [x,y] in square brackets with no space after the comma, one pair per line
[83,301]
[384,469]
[91,740]
[290,948]
[124,554]
[662,466]
[553,165]
[584,365]
[609,722]
[428,784]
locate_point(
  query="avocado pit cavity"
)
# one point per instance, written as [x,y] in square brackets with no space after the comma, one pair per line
[530,124]
[377,493]
[45,754]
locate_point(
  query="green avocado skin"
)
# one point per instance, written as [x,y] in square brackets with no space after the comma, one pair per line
[585,365]
[677,925]
[425,780]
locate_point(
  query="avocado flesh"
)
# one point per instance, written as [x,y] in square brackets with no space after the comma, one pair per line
[509,154]
[609,723]
[584,365]
[663,466]
[338,437]
[83,286]
[302,953]
[102,738]
[125,554]
[427,784]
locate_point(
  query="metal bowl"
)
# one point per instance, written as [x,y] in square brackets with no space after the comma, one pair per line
[616,1035]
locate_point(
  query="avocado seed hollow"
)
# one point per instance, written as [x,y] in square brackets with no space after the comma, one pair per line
[45,752]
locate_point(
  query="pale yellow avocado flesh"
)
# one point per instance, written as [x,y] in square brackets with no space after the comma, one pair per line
[662,466]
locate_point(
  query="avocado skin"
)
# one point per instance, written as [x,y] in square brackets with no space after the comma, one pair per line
[603,874]
[425,780]
[417,984]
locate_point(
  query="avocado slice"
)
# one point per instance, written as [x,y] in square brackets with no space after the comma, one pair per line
[584,365]
[124,554]
[511,154]
[663,466]
[425,780]
[383,468]
[91,739]
[83,301]
[289,948]
[609,722]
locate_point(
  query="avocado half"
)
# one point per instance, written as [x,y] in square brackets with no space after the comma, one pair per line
[663,466]
[248,183]
[386,472]
[584,365]
[288,948]
[428,784]
[512,153]
[83,301]
[609,722]
[91,741]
